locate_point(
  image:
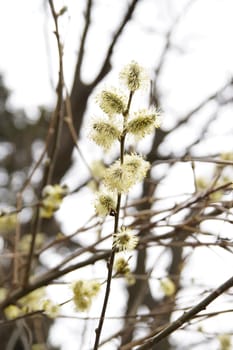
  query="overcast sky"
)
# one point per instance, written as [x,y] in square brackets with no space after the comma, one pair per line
[201,62]
[26,40]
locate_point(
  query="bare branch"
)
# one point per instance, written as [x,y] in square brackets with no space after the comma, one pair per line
[187,316]
[169,35]
[86,28]
[202,104]
[106,66]
[49,277]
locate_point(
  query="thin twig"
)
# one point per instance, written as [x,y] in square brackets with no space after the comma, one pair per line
[116,225]
[188,315]
[53,151]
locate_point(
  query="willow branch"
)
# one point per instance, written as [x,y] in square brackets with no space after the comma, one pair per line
[86,28]
[47,278]
[116,225]
[187,316]
[106,64]
[52,153]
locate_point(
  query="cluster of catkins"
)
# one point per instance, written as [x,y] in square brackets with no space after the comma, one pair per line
[114,126]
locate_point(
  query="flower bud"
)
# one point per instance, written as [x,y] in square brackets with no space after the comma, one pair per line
[104,133]
[134,76]
[111,102]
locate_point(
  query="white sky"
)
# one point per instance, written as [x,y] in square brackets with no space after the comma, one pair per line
[205,34]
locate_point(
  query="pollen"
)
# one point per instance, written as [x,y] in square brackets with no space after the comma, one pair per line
[105,204]
[121,266]
[52,199]
[144,123]
[121,177]
[168,286]
[83,293]
[125,240]
[104,133]
[133,76]
[111,102]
